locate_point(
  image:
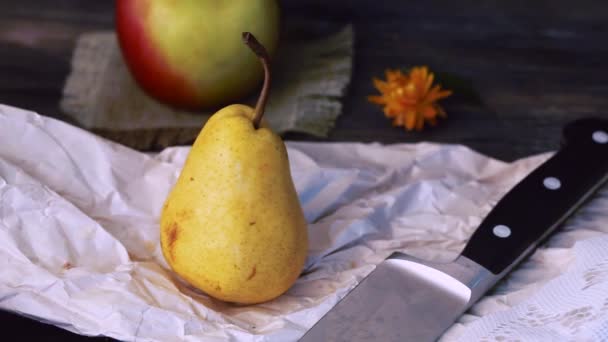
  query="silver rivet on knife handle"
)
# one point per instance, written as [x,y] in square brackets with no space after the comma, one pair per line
[502,231]
[600,137]
[552,183]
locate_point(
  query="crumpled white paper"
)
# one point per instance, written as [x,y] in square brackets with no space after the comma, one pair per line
[79,235]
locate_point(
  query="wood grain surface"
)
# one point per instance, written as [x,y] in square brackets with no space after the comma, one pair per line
[535,65]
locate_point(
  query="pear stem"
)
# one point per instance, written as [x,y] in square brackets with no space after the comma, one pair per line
[260,51]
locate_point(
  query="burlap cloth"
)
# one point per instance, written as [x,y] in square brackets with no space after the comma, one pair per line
[310,77]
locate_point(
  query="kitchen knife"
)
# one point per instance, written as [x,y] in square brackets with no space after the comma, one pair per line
[407,299]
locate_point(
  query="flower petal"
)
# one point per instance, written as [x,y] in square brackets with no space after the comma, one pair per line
[429,112]
[419,122]
[429,82]
[376,99]
[381,85]
[410,120]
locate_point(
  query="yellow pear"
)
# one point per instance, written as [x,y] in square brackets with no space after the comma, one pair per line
[232,226]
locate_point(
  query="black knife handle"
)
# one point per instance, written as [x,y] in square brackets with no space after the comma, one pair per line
[544,199]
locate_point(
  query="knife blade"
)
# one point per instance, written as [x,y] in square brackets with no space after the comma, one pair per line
[408,299]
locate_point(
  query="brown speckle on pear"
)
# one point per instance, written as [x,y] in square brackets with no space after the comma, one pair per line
[184,215]
[253,271]
[171,238]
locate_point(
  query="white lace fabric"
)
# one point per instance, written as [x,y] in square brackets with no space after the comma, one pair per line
[559,294]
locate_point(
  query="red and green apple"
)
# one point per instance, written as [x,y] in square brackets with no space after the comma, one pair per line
[188,53]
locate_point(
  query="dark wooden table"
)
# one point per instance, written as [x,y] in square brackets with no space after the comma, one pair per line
[535,65]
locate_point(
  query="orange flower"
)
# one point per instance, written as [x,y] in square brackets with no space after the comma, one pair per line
[409,99]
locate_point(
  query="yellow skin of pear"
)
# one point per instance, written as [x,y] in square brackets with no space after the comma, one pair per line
[232,226]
